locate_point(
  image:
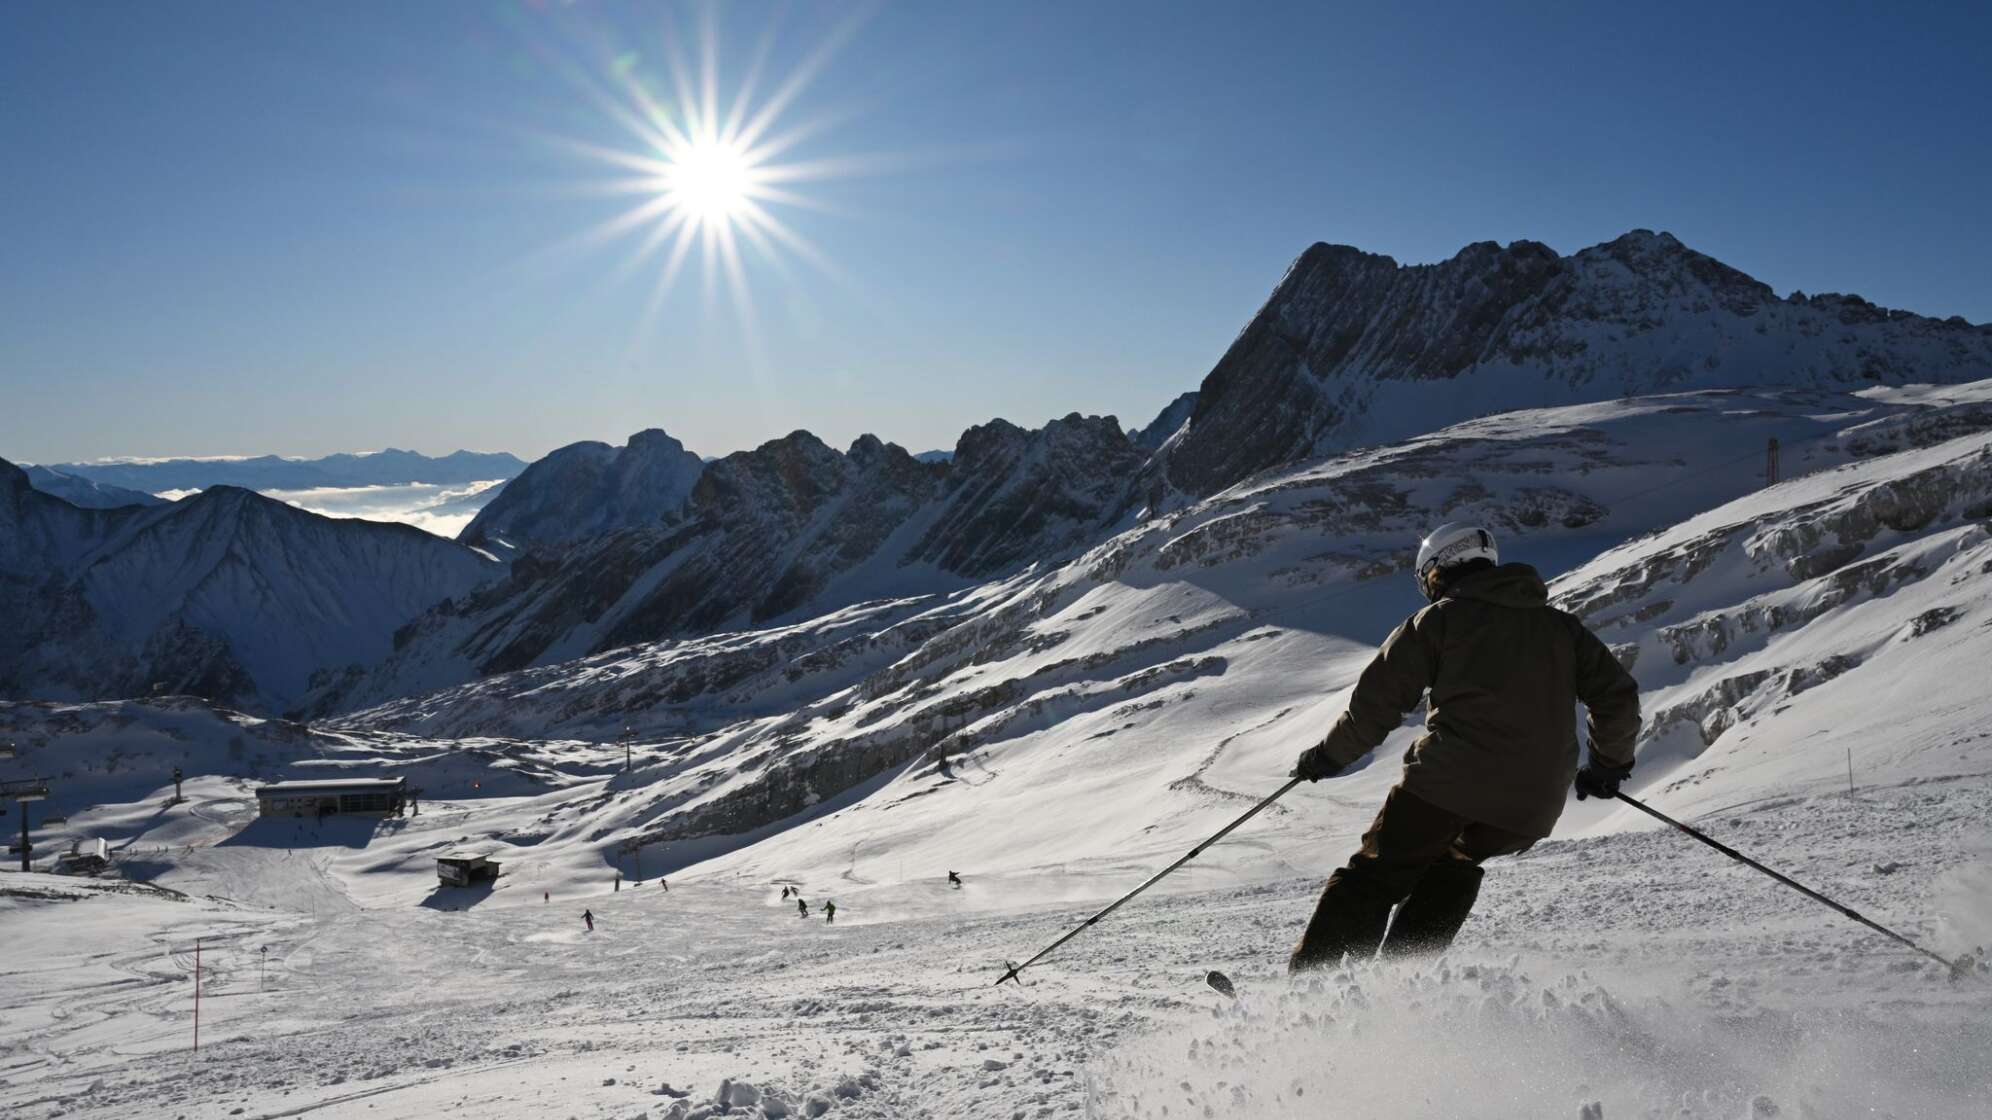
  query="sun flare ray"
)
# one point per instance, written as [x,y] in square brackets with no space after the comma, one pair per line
[708,158]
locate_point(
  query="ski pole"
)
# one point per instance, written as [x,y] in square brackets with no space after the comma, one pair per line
[1957,967]
[1156,878]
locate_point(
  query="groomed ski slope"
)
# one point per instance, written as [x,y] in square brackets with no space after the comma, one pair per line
[1618,969]
[1632,971]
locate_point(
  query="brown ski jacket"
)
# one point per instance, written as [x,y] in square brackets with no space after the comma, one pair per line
[1505,671]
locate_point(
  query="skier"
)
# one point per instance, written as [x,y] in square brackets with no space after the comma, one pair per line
[589,917]
[785,894]
[546,896]
[954,880]
[1487,778]
[801,907]
[618,889]
[662,883]
[829,912]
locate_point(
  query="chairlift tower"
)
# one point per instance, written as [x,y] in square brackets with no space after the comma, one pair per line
[21,792]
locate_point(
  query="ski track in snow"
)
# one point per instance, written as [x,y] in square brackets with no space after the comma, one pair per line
[1636,972]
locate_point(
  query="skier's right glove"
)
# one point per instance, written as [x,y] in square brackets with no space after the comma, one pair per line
[1314,764]
[1600,779]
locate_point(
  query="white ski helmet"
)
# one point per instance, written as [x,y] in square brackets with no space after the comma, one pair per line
[1452,543]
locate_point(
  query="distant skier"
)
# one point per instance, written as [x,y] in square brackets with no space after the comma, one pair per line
[662,883]
[1487,778]
[954,880]
[785,894]
[618,889]
[801,907]
[589,917]
[829,912]
[546,896]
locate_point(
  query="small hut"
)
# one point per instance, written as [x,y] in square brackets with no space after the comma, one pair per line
[465,869]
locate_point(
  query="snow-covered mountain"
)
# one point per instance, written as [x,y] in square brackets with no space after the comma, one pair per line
[1353,348]
[1058,735]
[789,529]
[391,467]
[225,594]
[1195,653]
[87,493]
[637,544]
[585,489]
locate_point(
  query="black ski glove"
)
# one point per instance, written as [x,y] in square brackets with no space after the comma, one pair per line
[1314,764]
[1600,779]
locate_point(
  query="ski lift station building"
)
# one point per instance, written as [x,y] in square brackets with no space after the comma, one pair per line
[320,798]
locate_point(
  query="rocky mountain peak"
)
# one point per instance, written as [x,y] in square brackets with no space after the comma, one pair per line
[654,441]
[587,488]
[12,479]
[787,478]
[1166,423]
[1353,348]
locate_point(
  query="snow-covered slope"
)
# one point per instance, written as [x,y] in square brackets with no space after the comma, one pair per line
[1177,666]
[1353,348]
[87,493]
[1058,735]
[587,488]
[225,594]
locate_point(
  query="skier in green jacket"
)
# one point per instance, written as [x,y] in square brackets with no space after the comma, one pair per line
[1504,671]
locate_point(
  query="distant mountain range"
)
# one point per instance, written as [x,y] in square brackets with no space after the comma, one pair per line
[271,472]
[611,547]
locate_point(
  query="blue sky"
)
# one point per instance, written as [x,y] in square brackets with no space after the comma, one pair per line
[235,228]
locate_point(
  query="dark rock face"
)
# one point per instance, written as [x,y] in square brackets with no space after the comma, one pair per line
[774,526]
[1015,496]
[762,532]
[585,489]
[786,529]
[1166,423]
[1350,344]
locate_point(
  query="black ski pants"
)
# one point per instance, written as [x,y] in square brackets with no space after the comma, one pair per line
[1414,853]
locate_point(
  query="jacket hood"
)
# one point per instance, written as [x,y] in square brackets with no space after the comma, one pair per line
[1509,585]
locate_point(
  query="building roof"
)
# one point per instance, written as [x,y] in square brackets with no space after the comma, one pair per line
[462,857]
[333,785]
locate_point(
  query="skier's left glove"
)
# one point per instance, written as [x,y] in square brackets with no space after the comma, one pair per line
[1314,764]
[1600,779]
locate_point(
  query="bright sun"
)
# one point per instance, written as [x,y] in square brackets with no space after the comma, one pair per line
[708,172]
[709,180]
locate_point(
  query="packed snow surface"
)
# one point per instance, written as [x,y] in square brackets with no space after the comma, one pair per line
[1633,975]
